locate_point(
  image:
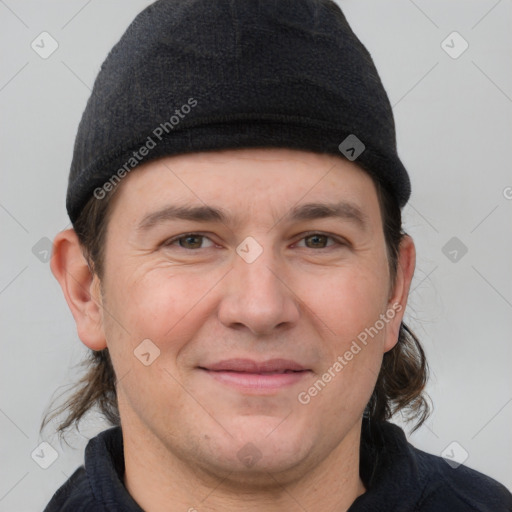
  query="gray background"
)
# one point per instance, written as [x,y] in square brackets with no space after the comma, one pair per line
[454,128]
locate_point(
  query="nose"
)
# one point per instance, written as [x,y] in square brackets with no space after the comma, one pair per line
[258,297]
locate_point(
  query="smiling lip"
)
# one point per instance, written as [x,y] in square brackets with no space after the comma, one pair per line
[247,374]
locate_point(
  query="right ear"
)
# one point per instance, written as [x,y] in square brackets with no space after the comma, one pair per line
[80,287]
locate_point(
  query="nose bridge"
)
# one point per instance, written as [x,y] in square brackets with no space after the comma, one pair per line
[256,296]
[256,270]
[259,273]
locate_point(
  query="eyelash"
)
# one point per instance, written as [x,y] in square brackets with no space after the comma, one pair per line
[338,241]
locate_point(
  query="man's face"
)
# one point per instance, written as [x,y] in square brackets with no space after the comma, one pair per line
[274,285]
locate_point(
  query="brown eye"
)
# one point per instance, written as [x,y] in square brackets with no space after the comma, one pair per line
[189,241]
[322,241]
[316,241]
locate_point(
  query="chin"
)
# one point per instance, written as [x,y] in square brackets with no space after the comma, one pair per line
[250,467]
[259,446]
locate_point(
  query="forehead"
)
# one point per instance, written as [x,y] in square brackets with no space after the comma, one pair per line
[254,182]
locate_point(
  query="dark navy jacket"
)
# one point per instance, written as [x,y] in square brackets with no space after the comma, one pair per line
[398,478]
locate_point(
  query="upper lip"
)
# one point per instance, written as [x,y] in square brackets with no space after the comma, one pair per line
[251,366]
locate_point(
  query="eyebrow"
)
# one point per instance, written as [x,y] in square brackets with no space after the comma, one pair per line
[309,211]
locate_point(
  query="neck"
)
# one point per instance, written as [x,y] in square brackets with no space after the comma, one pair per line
[160,481]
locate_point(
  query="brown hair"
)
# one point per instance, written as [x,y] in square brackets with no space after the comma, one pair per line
[400,384]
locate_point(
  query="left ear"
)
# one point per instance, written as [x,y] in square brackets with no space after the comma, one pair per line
[400,291]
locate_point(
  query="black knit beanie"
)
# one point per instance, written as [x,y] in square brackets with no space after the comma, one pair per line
[197,75]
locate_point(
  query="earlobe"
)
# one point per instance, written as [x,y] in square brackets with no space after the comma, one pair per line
[80,287]
[400,293]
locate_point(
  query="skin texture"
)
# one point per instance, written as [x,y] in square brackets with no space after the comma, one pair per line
[304,298]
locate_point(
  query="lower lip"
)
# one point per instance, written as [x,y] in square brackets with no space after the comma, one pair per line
[258,381]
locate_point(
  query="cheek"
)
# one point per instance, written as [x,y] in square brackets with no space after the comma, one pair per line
[161,304]
[165,308]
[350,300]
[348,311]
